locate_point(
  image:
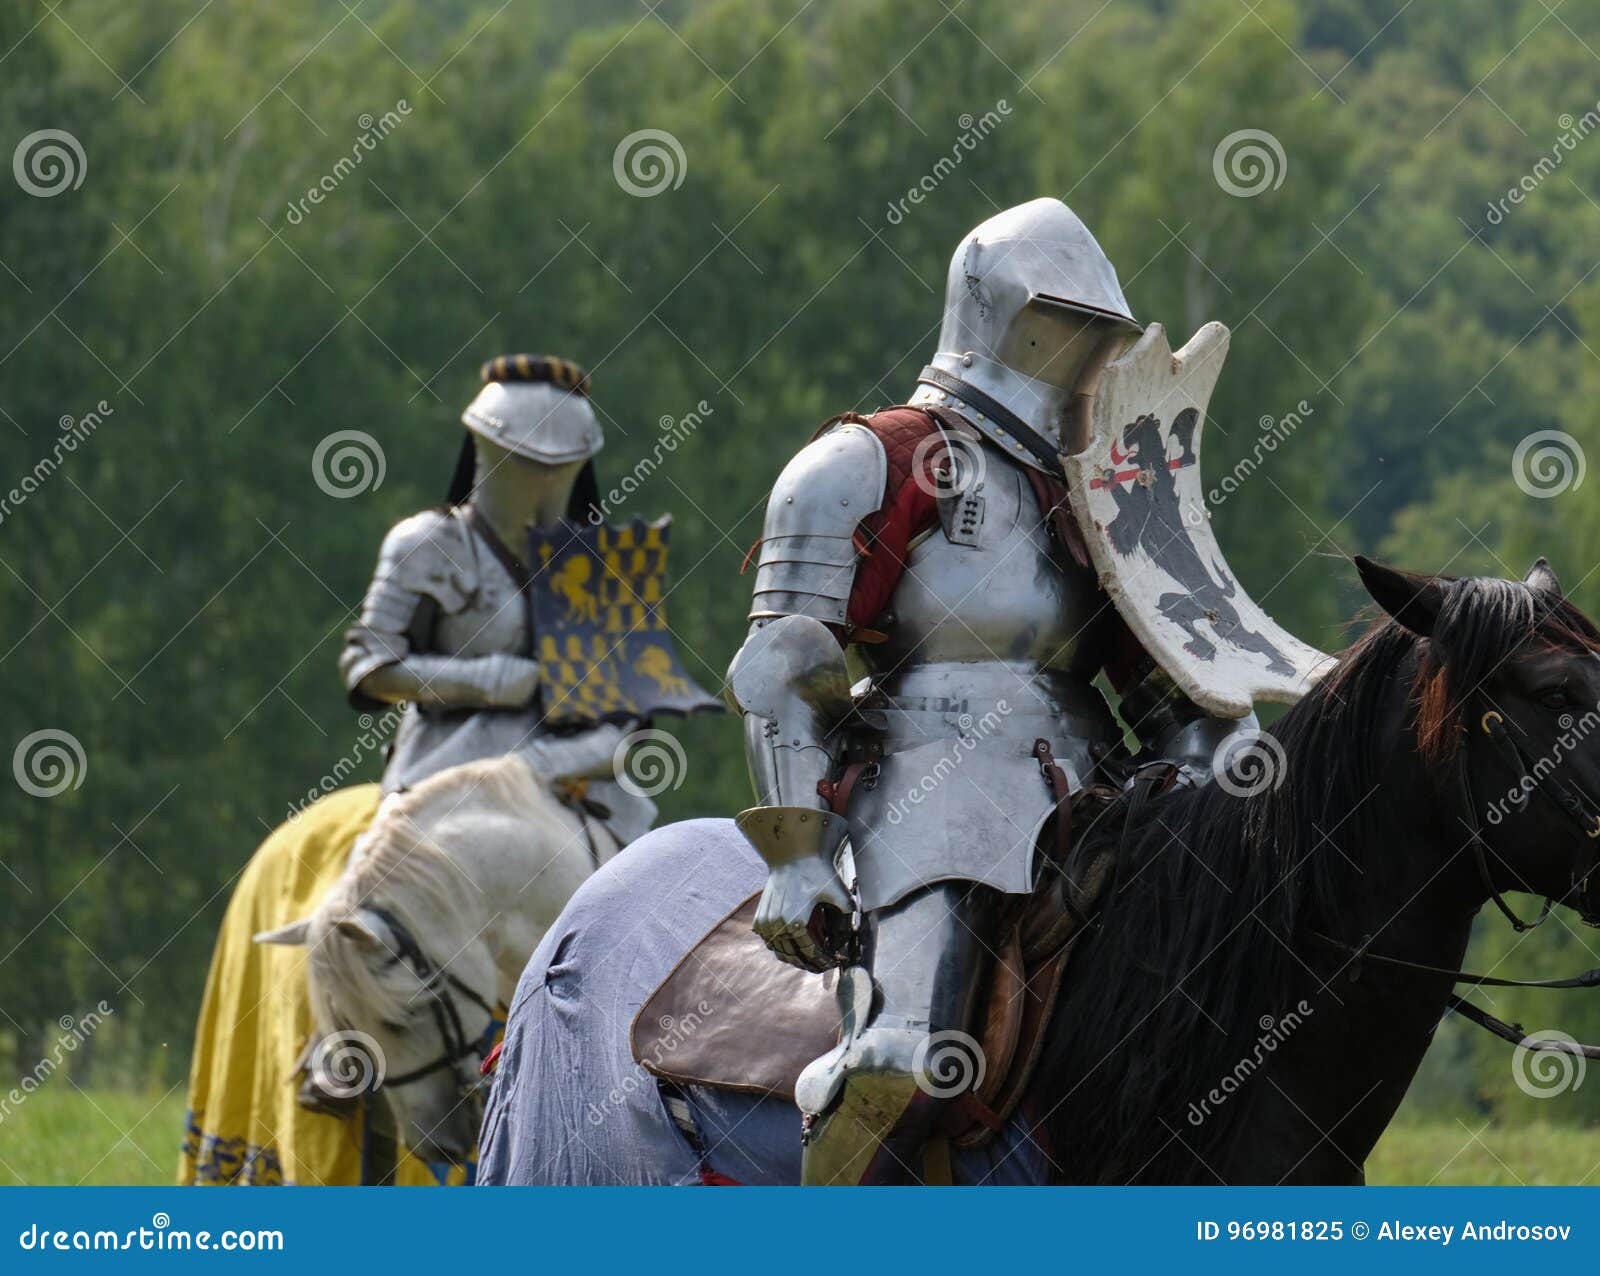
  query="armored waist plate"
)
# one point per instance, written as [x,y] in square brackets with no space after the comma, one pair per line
[958,793]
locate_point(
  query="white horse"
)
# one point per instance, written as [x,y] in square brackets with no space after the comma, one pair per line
[424,935]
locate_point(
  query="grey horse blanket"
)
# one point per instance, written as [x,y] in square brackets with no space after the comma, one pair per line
[570,1106]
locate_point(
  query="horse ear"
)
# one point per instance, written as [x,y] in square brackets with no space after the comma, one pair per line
[292,935]
[1414,601]
[365,927]
[1542,576]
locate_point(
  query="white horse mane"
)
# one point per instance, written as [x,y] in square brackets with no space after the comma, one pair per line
[402,865]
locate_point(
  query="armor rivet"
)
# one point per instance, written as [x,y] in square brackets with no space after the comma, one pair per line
[788,500]
[966,360]
[844,503]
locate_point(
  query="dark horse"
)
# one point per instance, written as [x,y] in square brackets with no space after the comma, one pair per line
[1217,1025]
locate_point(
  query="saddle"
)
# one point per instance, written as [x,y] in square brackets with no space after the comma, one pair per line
[732,1016]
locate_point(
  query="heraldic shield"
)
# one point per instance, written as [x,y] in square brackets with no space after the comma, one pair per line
[601,637]
[1137,493]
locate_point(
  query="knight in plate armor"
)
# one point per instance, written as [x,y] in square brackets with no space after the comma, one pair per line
[918,681]
[447,626]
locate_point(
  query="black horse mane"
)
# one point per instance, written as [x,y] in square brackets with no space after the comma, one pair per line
[1196,939]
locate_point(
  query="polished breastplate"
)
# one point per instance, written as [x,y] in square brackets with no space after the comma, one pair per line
[993,645]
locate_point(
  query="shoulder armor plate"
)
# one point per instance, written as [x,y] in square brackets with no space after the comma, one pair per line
[807,564]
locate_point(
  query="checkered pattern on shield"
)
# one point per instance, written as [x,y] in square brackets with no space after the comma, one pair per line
[600,628]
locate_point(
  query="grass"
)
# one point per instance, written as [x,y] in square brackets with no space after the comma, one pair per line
[1470,1153]
[101,1137]
[61,1135]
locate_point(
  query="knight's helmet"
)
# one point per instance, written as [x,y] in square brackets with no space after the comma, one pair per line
[1032,311]
[537,407]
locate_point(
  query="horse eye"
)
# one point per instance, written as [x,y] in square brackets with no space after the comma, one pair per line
[1556,698]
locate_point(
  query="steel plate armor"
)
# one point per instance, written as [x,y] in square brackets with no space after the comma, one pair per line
[444,629]
[988,645]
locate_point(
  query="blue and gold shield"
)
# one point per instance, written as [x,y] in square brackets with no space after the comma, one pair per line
[600,628]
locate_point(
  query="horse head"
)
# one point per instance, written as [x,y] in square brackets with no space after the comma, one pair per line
[403,993]
[1506,701]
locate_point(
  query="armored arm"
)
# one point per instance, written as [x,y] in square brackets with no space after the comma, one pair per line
[421,567]
[790,682]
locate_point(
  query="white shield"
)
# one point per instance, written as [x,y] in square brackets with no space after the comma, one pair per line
[1137,493]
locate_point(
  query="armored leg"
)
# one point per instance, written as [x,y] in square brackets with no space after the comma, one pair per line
[870,1105]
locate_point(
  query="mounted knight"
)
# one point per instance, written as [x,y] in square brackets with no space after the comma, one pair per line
[936,595]
[524,639]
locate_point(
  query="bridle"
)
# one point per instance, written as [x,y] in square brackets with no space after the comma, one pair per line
[438,984]
[1584,814]
[1574,804]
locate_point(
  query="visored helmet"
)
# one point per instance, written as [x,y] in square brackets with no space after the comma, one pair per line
[536,406]
[1030,299]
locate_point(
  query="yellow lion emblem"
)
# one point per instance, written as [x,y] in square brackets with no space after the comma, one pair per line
[571,584]
[655,663]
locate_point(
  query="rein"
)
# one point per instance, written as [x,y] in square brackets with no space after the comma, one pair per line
[446,1015]
[1584,816]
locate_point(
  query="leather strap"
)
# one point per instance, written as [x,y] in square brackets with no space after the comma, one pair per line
[1056,511]
[1041,449]
[514,566]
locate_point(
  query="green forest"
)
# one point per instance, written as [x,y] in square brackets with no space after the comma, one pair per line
[274,223]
